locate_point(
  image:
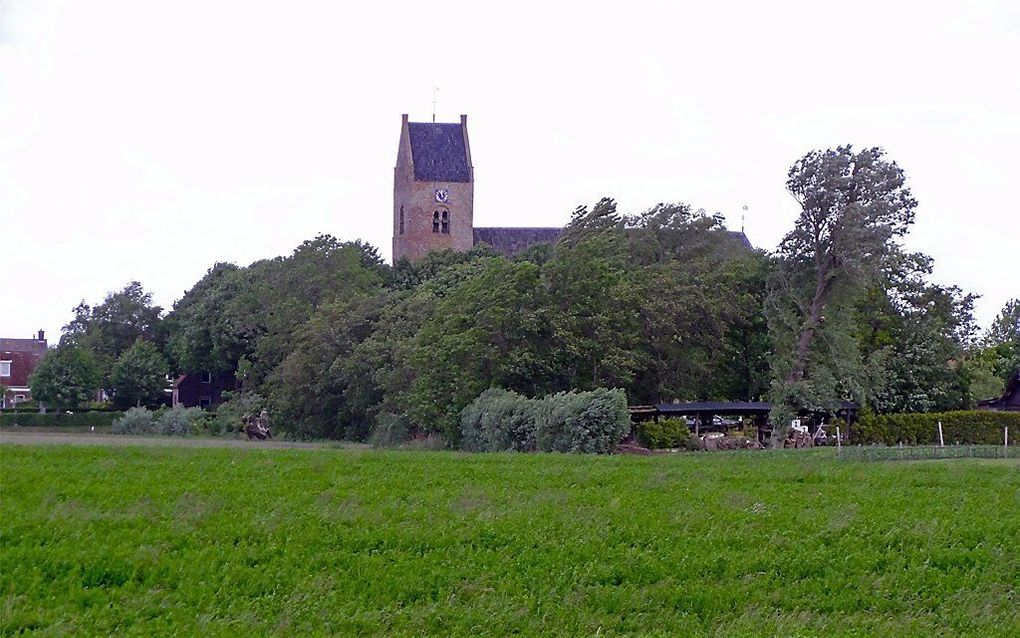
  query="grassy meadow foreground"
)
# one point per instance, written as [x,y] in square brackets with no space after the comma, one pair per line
[153,541]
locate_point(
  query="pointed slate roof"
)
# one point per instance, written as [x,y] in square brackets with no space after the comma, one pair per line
[438,152]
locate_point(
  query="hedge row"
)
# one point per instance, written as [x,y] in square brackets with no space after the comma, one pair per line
[59,419]
[974,427]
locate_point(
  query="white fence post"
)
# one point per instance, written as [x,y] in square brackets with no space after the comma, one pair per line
[941,442]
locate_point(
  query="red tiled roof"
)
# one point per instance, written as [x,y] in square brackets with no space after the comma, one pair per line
[24,355]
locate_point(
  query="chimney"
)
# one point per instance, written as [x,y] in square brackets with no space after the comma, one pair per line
[42,336]
[463,120]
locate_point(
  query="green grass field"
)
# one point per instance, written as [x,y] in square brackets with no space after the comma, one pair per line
[160,541]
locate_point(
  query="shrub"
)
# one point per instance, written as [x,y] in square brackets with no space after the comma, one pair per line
[59,419]
[583,421]
[229,416]
[390,431]
[969,427]
[672,432]
[135,421]
[499,420]
[181,421]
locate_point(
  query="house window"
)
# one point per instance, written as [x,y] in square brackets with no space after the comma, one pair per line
[18,398]
[446,222]
[204,402]
[5,368]
[401,220]
[435,221]
[206,377]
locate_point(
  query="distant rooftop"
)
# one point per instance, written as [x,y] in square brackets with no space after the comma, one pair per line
[512,241]
[439,152]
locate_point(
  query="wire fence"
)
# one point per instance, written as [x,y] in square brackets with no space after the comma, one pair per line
[923,452]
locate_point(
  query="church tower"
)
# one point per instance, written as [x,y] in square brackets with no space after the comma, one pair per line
[433,189]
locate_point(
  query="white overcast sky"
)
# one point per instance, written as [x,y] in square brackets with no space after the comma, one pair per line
[148,140]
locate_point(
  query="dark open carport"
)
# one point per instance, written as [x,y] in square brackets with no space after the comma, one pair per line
[704,412]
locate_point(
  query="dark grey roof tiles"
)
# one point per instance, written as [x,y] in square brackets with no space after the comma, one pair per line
[741,237]
[439,152]
[512,241]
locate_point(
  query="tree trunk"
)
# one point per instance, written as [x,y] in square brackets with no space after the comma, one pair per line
[807,334]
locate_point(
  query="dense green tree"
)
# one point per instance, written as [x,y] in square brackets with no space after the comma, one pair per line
[592,313]
[602,219]
[488,329]
[110,328]
[67,378]
[138,378]
[1002,342]
[243,319]
[314,388]
[923,367]
[216,323]
[1005,328]
[408,274]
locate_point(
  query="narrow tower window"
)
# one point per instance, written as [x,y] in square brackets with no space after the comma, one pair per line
[435,221]
[401,220]
[446,222]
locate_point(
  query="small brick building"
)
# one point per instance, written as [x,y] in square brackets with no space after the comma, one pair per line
[18,359]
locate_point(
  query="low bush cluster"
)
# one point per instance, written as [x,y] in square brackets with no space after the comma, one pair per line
[969,427]
[59,419]
[669,433]
[178,421]
[586,422]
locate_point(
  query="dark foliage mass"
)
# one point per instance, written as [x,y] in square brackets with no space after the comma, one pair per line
[664,305]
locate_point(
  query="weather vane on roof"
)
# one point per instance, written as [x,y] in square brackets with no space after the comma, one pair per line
[435,91]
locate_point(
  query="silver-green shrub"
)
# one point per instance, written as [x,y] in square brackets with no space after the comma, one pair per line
[588,422]
[500,420]
[134,421]
[181,421]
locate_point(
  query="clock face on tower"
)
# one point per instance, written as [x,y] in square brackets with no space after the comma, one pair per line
[442,195]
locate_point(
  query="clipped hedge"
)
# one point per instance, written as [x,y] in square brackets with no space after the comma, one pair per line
[59,419]
[971,427]
[584,422]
